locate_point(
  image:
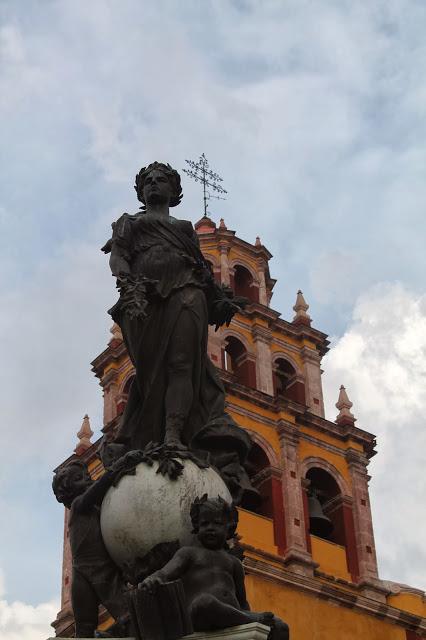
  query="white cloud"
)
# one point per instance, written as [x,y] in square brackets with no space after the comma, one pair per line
[21,621]
[381,360]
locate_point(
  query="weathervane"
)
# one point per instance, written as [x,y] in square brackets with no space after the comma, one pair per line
[201,173]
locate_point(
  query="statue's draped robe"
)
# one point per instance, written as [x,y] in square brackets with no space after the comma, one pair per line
[167,252]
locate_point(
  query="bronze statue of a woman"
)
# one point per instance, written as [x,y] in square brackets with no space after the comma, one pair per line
[167,299]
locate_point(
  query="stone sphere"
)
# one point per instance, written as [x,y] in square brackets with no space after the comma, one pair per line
[148,508]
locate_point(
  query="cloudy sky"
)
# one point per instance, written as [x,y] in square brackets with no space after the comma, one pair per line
[313,112]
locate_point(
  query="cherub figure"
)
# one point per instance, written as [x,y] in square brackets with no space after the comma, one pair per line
[213,578]
[95,578]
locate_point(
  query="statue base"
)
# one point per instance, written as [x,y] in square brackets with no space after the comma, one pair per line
[252,631]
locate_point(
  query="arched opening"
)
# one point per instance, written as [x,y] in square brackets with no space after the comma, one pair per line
[324,496]
[286,382]
[237,362]
[330,503]
[243,284]
[267,482]
[260,476]
[122,398]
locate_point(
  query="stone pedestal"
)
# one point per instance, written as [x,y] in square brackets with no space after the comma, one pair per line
[252,631]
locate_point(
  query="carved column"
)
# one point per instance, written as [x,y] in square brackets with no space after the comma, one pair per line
[262,341]
[297,555]
[110,389]
[313,383]
[263,294]
[224,263]
[364,535]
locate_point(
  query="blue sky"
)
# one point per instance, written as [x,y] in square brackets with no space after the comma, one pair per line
[314,115]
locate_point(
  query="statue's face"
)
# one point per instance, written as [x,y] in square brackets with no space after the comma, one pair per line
[212,528]
[157,188]
[73,483]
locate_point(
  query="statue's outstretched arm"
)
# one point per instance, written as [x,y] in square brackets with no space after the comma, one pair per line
[94,494]
[97,490]
[173,570]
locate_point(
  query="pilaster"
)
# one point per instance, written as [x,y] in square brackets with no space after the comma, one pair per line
[366,550]
[262,341]
[263,294]
[297,555]
[224,263]
[110,389]
[313,384]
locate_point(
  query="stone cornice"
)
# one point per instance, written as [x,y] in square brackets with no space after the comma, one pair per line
[356,461]
[303,416]
[288,433]
[261,334]
[218,235]
[110,354]
[255,309]
[310,355]
[337,591]
[345,433]
[322,444]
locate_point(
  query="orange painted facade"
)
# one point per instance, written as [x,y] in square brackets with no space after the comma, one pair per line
[324,586]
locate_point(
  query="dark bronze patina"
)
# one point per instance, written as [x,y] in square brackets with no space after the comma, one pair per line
[168,297]
[95,578]
[212,577]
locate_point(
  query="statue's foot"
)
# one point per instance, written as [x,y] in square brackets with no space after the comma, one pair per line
[266,618]
[279,629]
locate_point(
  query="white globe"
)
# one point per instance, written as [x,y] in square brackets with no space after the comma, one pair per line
[148,508]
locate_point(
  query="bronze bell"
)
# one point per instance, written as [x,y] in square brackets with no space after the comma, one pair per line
[319,524]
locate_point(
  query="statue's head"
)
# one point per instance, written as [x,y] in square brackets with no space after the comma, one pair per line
[158,182]
[70,482]
[213,520]
[108,452]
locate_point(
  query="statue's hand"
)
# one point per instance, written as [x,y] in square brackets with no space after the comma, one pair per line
[222,312]
[151,583]
[129,459]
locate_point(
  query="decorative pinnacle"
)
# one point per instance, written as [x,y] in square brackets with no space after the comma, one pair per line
[301,308]
[84,436]
[201,172]
[344,405]
[257,243]
[222,224]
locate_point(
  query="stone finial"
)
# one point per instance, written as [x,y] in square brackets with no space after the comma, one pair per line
[257,243]
[222,224]
[116,333]
[344,405]
[301,308]
[84,436]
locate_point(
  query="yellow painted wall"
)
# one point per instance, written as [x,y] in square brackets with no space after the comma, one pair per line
[408,602]
[331,558]
[256,531]
[311,618]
